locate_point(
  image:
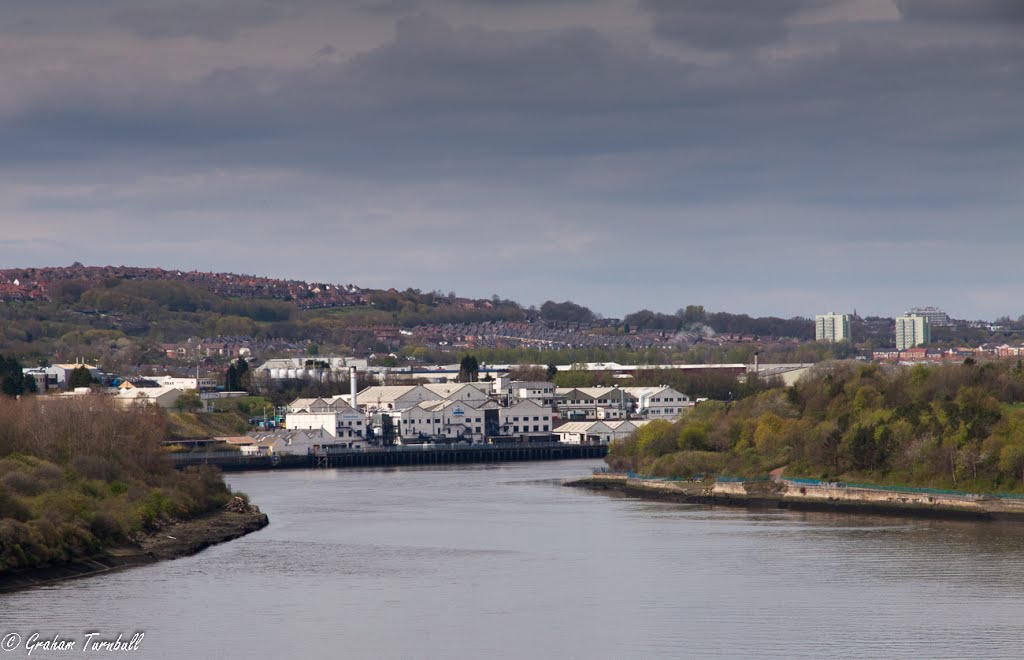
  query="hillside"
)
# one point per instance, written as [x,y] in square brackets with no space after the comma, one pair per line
[230,418]
[123,315]
[958,427]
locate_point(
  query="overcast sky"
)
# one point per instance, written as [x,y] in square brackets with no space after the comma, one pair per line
[779,157]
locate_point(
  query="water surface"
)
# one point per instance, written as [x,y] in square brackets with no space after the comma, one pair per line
[504,562]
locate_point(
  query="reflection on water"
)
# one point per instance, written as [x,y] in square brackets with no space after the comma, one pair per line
[502,561]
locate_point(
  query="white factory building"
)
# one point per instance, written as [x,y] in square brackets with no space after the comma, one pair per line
[472,412]
[333,415]
[598,432]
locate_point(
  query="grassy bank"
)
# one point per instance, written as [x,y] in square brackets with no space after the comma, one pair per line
[178,539]
[80,476]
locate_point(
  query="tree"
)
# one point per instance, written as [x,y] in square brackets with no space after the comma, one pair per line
[693,313]
[188,402]
[552,371]
[80,377]
[469,369]
[13,381]
[237,377]
[566,311]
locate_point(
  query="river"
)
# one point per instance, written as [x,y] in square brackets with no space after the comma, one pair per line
[504,562]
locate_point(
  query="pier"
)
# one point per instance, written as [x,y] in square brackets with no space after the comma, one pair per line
[393,456]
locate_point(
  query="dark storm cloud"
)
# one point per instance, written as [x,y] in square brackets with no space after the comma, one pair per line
[995,11]
[215,22]
[724,25]
[859,125]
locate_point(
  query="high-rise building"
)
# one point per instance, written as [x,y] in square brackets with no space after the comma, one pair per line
[912,331]
[936,317]
[832,327]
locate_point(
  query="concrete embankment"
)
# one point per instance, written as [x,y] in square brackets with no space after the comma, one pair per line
[784,494]
[179,539]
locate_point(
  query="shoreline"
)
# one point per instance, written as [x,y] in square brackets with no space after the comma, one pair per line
[178,539]
[780,494]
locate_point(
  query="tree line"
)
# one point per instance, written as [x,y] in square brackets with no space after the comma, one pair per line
[81,474]
[956,426]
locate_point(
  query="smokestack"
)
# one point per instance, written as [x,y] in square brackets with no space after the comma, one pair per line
[352,386]
[757,368]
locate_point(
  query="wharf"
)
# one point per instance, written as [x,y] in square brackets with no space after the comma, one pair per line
[393,456]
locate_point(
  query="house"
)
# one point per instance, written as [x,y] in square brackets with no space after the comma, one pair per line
[61,373]
[188,383]
[165,397]
[473,393]
[661,402]
[145,383]
[242,443]
[394,397]
[511,391]
[334,416]
[580,403]
[445,420]
[597,432]
[300,442]
[526,418]
[584,433]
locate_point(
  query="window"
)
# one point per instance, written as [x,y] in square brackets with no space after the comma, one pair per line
[545,427]
[536,418]
[536,428]
[515,429]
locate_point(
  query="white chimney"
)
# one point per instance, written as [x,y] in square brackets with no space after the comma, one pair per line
[352,386]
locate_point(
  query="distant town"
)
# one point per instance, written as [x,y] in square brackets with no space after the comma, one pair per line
[319,364]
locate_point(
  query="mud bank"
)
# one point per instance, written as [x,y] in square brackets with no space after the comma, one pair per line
[782,494]
[179,539]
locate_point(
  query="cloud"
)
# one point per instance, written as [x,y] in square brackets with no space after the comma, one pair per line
[386,7]
[725,25]
[214,22]
[818,156]
[1007,12]
[572,112]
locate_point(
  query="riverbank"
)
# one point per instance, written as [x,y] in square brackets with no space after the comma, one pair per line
[785,494]
[178,539]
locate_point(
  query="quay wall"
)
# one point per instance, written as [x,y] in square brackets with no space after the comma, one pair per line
[383,457]
[784,494]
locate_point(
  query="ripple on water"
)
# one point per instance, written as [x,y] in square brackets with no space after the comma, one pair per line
[502,562]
